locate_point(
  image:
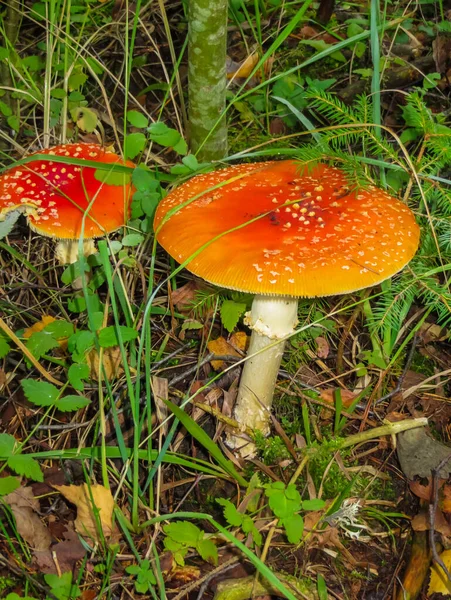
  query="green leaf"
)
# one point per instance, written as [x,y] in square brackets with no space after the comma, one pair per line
[164,135]
[231,311]
[71,403]
[144,180]
[204,439]
[26,466]
[60,329]
[294,526]
[58,93]
[62,587]
[134,144]
[132,239]
[76,373]
[40,393]
[85,118]
[181,147]
[321,587]
[133,569]
[183,532]
[108,335]
[7,445]
[4,347]
[40,343]
[231,514]
[315,504]
[8,485]
[112,177]
[76,80]
[137,119]
[5,109]
[4,53]
[208,551]
[282,505]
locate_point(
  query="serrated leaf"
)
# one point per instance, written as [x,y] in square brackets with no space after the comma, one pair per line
[231,311]
[40,343]
[7,444]
[137,119]
[208,551]
[6,226]
[231,514]
[134,144]
[108,336]
[4,347]
[71,403]
[8,485]
[75,375]
[294,527]
[132,239]
[26,466]
[59,329]
[40,393]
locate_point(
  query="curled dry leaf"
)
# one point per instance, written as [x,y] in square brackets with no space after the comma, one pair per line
[322,347]
[24,507]
[112,363]
[84,497]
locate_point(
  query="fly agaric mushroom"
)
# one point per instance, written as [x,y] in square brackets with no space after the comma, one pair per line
[55,196]
[282,232]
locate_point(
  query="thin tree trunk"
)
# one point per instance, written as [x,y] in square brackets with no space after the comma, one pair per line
[207,77]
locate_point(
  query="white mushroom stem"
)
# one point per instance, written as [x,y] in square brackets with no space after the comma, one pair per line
[66,252]
[272,320]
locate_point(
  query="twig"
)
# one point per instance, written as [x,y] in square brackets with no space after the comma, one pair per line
[200,364]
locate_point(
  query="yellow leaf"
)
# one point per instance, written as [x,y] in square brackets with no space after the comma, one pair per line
[439,583]
[91,500]
[39,326]
[222,346]
[112,362]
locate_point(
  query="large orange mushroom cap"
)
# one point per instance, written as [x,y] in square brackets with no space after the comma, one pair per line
[55,195]
[276,228]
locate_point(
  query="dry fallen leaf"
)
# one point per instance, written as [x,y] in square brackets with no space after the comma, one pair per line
[322,347]
[112,362]
[421,522]
[182,298]
[61,557]
[221,346]
[439,583]
[83,497]
[24,507]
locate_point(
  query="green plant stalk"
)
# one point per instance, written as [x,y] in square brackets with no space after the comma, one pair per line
[207,42]
[388,429]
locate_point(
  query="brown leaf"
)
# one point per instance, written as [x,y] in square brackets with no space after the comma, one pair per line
[24,506]
[347,397]
[112,363]
[322,347]
[63,556]
[83,497]
[421,522]
[182,298]
[441,51]
[160,391]
[221,346]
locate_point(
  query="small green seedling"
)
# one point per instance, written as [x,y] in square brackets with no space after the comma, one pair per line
[145,578]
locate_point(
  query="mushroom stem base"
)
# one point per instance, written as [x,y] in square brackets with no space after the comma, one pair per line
[271,320]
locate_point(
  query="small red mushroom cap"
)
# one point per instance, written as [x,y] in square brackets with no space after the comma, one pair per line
[55,195]
[276,228]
